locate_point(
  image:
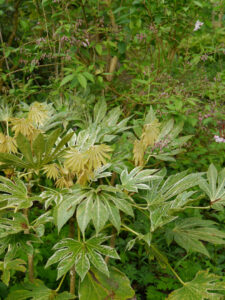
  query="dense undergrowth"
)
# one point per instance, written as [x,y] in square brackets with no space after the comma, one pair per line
[112,137]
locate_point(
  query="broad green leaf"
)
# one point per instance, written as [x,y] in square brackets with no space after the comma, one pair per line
[94,244]
[63,212]
[100,111]
[99,214]
[84,213]
[25,147]
[61,144]
[12,160]
[82,80]
[212,178]
[203,286]
[98,48]
[82,265]
[122,204]
[98,262]
[97,286]
[39,147]
[114,215]
[215,187]
[67,79]
[50,142]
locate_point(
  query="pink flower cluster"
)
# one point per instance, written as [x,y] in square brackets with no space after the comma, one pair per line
[219,139]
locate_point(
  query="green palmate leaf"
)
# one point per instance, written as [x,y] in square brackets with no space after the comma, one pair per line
[67,252]
[38,291]
[97,286]
[161,207]
[99,214]
[12,160]
[188,233]
[84,213]
[136,178]
[71,252]
[162,212]
[203,286]
[14,194]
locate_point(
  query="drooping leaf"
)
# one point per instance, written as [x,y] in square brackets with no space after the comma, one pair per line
[203,286]
[188,233]
[38,291]
[8,265]
[97,286]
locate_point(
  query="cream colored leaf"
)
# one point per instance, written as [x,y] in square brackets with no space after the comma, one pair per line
[38,113]
[96,156]
[75,160]
[51,171]
[138,152]
[63,183]
[150,133]
[7,144]
[23,126]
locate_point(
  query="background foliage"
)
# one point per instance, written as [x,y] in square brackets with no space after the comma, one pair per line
[81,76]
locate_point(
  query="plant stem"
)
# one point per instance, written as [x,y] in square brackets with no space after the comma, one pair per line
[112,242]
[131,230]
[165,261]
[72,270]
[30,256]
[58,288]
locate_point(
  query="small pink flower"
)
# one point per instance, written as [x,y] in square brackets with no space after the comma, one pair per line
[198,25]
